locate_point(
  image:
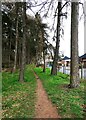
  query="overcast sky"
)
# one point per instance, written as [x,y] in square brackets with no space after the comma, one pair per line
[65,41]
[65,44]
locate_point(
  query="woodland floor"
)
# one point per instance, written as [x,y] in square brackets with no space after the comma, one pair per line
[44,107]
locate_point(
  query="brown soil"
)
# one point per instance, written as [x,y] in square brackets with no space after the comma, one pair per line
[44,107]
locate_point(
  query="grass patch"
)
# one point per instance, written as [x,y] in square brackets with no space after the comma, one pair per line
[68,101]
[18,98]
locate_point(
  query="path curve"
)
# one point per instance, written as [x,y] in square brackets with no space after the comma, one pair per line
[44,107]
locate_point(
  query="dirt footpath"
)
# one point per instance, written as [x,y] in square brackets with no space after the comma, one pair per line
[44,107]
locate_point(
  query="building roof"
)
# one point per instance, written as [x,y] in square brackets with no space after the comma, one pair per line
[66,58]
[83,56]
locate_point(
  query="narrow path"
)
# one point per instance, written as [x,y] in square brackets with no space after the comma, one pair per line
[44,107]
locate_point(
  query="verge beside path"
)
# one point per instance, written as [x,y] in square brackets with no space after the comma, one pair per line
[44,107]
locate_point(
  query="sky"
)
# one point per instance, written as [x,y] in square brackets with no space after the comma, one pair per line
[65,44]
[65,40]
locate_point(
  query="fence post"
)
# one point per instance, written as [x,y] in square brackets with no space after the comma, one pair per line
[81,70]
[63,69]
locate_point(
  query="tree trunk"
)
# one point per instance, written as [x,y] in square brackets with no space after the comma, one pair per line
[16,44]
[74,70]
[10,39]
[44,61]
[9,52]
[22,66]
[27,51]
[56,52]
[0,41]
[19,52]
[81,70]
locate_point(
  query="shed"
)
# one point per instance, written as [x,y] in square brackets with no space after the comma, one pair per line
[66,61]
[83,59]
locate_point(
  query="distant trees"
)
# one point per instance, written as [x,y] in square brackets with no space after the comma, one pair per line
[30,40]
[41,40]
[74,68]
[16,40]
[8,33]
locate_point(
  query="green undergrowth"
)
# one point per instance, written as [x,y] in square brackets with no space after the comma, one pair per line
[69,102]
[18,99]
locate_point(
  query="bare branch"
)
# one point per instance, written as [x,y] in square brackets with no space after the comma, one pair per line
[43,6]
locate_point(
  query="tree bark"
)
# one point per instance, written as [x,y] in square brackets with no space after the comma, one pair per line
[22,66]
[10,39]
[9,52]
[74,68]
[16,44]
[27,51]
[56,52]
[44,67]
[0,40]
